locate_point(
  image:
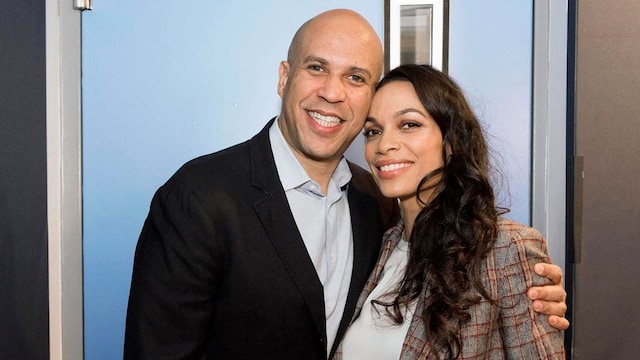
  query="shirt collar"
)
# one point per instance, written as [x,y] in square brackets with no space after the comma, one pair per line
[292,174]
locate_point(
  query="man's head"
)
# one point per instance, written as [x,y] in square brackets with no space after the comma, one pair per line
[326,85]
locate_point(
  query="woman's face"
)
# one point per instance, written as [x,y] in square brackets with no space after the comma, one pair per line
[403,143]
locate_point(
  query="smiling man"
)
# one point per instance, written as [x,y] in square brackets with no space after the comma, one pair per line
[261,250]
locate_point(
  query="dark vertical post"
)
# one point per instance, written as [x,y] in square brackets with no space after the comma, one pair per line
[24,300]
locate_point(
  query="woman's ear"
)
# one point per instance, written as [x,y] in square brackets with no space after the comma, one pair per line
[448,153]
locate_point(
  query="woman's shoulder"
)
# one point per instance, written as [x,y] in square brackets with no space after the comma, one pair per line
[516,243]
[510,230]
[395,232]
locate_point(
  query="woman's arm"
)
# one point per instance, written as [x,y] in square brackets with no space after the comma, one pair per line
[526,334]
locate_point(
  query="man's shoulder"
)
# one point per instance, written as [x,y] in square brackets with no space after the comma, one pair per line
[362,180]
[230,160]
[217,161]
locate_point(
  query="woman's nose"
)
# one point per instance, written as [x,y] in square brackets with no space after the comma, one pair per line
[388,142]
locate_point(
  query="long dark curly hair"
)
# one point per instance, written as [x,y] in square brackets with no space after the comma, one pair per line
[458,224]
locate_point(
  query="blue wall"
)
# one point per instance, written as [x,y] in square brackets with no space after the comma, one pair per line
[491,57]
[165,82]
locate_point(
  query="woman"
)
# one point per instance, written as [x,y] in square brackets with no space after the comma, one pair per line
[452,277]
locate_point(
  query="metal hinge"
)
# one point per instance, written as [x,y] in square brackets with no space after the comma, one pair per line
[82,4]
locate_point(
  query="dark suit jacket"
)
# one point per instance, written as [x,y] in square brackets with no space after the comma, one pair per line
[221,271]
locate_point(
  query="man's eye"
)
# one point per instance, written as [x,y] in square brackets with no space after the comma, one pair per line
[357,78]
[315,67]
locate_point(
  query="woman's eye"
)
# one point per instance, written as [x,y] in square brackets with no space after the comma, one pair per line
[408,125]
[370,132]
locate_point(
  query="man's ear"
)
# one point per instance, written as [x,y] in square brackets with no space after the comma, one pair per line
[283,76]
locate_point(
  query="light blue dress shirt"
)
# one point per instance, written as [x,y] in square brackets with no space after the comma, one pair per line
[324,222]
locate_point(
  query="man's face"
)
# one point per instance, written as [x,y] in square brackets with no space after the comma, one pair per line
[326,90]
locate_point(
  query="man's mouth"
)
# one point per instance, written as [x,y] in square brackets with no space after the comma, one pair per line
[325,120]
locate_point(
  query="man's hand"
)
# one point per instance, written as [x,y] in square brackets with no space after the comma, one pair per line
[550,299]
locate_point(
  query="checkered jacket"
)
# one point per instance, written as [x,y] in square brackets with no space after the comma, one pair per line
[512,330]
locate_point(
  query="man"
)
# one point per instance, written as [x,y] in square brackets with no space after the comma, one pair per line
[260,251]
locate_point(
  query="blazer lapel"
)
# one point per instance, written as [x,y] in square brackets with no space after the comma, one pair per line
[415,346]
[366,229]
[387,248]
[275,213]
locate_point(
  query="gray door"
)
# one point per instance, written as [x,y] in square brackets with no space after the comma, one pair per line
[24,301]
[606,305]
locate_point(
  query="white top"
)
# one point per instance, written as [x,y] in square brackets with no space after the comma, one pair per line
[324,222]
[373,335]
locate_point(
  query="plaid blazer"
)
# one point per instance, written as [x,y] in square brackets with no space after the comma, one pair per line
[512,330]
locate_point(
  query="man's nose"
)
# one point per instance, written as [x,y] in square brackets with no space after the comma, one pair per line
[332,90]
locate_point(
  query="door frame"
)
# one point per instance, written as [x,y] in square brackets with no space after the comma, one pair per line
[64,179]
[550,125]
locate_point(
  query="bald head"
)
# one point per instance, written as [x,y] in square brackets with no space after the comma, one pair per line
[338,25]
[326,86]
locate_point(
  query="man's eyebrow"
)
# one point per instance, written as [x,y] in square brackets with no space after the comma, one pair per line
[353,69]
[358,70]
[313,58]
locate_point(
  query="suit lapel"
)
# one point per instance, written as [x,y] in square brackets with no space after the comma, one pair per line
[275,214]
[367,230]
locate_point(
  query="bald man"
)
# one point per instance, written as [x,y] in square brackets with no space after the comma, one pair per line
[260,251]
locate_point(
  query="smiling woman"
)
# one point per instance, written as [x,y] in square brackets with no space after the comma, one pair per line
[438,289]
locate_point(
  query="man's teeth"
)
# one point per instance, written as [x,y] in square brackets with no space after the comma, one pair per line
[326,121]
[392,167]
